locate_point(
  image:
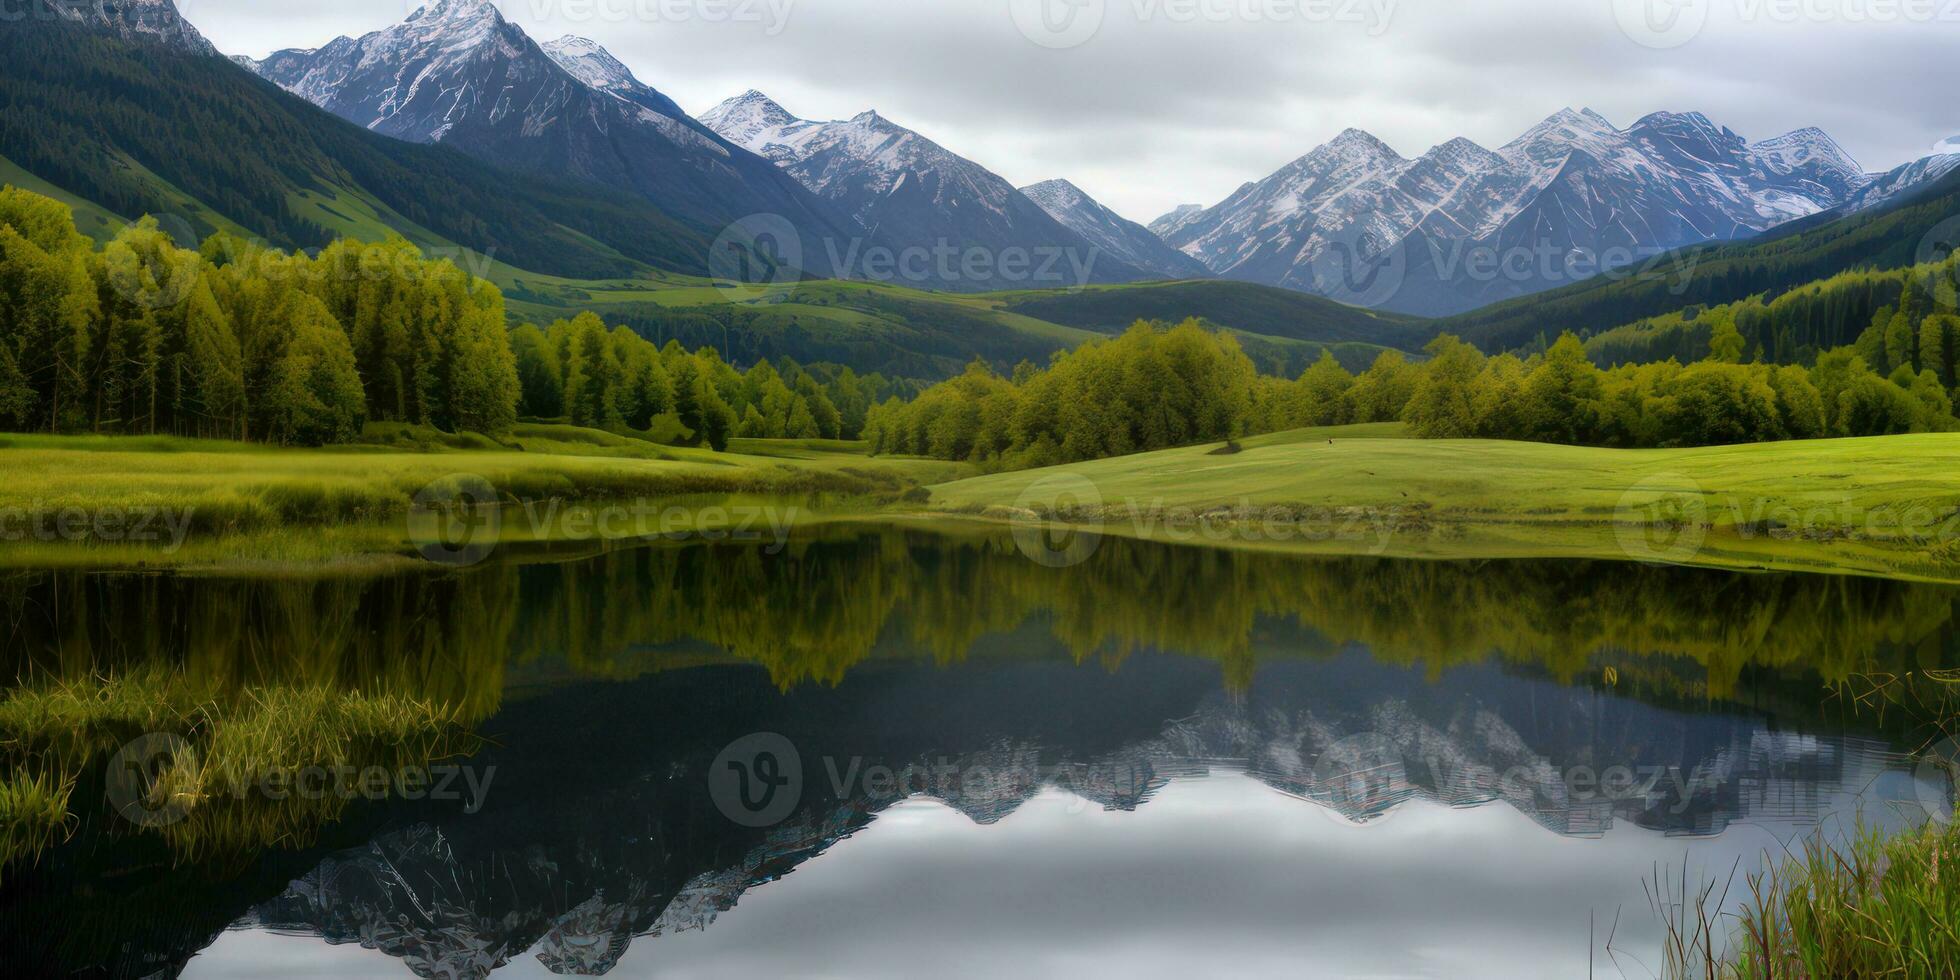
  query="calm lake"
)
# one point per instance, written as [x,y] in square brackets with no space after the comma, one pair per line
[885,753]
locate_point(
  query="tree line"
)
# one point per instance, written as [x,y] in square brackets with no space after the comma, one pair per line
[236,341]
[612,378]
[1890,317]
[239,341]
[1156,387]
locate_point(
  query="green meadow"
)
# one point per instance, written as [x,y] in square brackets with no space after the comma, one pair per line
[1887,506]
[344,508]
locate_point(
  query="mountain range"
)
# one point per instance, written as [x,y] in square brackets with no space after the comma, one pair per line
[457,73]
[1458,228]
[903,186]
[1571,197]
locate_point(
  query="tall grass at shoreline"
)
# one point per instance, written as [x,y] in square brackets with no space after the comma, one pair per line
[1871,904]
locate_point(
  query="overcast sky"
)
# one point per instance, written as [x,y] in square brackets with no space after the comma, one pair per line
[1150,103]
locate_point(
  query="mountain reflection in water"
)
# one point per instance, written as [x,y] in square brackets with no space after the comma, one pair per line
[903,668]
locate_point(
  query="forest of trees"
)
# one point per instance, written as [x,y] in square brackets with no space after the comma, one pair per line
[1873,311]
[1789,258]
[239,341]
[1157,387]
[589,375]
[1149,389]
[138,128]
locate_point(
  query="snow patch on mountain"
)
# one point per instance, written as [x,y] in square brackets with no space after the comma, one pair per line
[1572,184]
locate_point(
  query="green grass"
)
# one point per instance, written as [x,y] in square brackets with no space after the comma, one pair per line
[1875,907]
[234,739]
[342,508]
[1828,505]
[33,812]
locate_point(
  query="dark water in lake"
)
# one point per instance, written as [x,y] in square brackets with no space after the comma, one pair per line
[893,754]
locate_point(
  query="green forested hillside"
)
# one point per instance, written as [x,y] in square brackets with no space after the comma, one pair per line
[142,129]
[1891,236]
[1241,306]
[1896,318]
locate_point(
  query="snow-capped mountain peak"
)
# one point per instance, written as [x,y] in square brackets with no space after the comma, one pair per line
[457,11]
[456,72]
[898,183]
[1359,144]
[1571,184]
[592,64]
[745,117]
[1798,147]
[140,20]
[1109,231]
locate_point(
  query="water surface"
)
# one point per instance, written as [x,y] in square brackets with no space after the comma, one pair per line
[1161,762]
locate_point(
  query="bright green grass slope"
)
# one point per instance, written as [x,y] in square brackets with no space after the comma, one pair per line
[343,507]
[1830,505]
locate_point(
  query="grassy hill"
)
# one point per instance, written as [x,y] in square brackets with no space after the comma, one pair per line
[1826,505]
[1815,248]
[918,333]
[1254,309]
